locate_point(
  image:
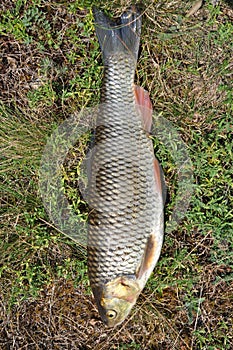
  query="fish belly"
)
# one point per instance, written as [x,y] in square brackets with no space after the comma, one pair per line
[125,207]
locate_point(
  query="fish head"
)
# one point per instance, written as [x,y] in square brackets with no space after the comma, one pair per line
[116,299]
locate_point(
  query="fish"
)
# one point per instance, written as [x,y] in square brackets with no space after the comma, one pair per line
[125,180]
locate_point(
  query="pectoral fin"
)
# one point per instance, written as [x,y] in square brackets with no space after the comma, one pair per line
[148,258]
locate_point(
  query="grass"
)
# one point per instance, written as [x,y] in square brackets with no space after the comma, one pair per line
[51,68]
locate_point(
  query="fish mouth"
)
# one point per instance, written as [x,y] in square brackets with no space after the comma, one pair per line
[111,317]
[102,313]
[98,293]
[113,306]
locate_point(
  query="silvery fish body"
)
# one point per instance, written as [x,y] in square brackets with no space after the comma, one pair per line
[125,232]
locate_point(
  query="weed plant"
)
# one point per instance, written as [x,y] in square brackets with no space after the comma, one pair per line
[50,68]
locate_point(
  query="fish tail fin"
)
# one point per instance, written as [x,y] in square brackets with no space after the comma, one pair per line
[122,35]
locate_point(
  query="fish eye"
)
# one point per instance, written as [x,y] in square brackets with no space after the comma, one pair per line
[111,314]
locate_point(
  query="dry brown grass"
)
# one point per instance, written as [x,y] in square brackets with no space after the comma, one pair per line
[186,64]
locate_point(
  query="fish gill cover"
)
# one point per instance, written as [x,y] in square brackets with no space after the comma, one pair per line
[122,176]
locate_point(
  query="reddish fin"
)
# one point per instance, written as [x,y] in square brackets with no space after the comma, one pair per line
[145,106]
[148,258]
[158,180]
[143,101]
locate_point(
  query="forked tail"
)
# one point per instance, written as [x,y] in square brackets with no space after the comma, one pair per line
[120,36]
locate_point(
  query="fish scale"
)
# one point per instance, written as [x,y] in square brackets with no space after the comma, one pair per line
[126,209]
[121,192]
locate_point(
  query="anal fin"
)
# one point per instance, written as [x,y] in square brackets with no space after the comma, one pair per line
[144,104]
[143,101]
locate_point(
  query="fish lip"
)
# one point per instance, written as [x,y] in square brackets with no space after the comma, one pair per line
[110,301]
[98,292]
[106,321]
